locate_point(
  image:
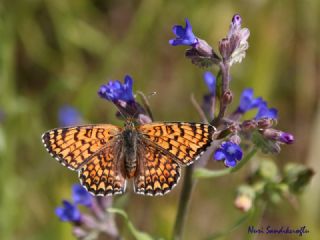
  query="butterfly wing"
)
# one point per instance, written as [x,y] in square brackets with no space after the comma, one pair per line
[157,172]
[104,174]
[75,146]
[186,142]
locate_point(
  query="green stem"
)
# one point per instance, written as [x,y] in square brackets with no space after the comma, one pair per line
[205,173]
[259,210]
[184,203]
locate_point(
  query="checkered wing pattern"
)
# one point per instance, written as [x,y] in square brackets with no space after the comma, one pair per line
[186,142]
[157,172]
[75,146]
[104,175]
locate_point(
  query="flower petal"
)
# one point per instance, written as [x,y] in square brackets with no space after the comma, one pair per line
[230,162]
[210,80]
[219,155]
[81,196]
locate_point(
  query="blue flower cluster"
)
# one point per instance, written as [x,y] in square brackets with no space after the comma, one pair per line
[229,152]
[248,102]
[69,211]
[116,91]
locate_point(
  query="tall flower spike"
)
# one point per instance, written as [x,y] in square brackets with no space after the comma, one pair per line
[115,90]
[81,196]
[184,35]
[69,116]
[265,112]
[68,212]
[229,152]
[248,102]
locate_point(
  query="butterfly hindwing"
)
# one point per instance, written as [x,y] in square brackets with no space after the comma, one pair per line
[157,172]
[72,146]
[104,175]
[185,141]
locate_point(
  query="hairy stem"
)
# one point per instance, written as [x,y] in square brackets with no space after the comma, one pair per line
[184,203]
[225,74]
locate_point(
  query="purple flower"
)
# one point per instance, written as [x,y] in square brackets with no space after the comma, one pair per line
[286,138]
[210,80]
[265,112]
[247,101]
[115,90]
[68,212]
[81,196]
[185,35]
[229,152]
[69,116]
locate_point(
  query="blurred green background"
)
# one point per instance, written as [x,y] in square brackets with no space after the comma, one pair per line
[59,52]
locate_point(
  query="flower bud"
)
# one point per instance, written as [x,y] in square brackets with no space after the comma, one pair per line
[224,48]
[277,135]
[248,125]
[143,119]
[265,123]
[235,139]
[79,232]
[245,198]
[227,97]
[243,203]
[286,138]
[203,48]
[270,133]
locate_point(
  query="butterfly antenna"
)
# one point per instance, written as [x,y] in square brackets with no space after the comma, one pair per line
[120,110]
[145,102]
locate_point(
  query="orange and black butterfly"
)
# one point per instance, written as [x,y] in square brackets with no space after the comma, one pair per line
[105,155]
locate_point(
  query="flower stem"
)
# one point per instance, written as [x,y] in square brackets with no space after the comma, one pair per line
[184,202]
[225,74]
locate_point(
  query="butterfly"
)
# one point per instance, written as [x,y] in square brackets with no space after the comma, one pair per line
[106,156]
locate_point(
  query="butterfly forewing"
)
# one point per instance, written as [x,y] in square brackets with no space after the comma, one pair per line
[74,146]
[157,172]
[186,142]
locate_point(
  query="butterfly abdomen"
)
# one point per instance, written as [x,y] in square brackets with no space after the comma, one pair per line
[130,151]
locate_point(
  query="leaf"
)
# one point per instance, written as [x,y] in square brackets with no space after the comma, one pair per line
[200,61]
[266,145]
[138,235]
[297,176]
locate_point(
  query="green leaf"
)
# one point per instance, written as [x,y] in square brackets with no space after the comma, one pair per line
[268,170]
[266,145]
[138,235]
[200,61]
[297,176]
[206,173]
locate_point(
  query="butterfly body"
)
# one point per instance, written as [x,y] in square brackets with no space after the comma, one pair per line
[129,138]
[105,155]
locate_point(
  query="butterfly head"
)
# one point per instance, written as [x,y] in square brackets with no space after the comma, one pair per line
[129,123]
